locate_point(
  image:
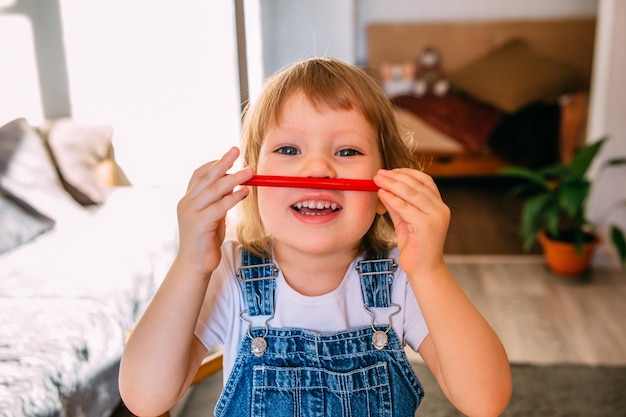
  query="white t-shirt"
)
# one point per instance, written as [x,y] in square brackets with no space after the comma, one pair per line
[341,309]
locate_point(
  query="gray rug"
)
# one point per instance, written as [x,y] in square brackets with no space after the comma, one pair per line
[538,391]
[546,391]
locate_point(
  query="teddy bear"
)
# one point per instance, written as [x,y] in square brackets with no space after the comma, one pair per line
[429,75]
[397,78]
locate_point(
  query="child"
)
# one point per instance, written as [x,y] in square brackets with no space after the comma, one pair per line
[315,300]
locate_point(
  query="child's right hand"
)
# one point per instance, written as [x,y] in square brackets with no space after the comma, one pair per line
[202,211]
[154,375]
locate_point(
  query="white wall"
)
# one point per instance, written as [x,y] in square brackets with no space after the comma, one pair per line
[299,29]
[606,118]
[254,47]
[163,74]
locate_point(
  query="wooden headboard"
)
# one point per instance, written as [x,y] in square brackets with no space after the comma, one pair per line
[570,40]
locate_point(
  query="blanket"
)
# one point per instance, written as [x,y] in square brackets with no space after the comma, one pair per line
[68,297]
[528,137]
[466,121]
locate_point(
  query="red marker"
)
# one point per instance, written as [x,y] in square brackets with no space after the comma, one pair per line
[343,184]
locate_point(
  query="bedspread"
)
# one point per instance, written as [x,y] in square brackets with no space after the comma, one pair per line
[465,120]
[67,298]
[528,137]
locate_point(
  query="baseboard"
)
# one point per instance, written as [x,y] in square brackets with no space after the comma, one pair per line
[487,259]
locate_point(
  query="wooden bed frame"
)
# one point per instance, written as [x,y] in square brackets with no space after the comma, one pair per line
[570,40]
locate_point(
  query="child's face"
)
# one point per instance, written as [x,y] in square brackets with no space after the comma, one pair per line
[310,143]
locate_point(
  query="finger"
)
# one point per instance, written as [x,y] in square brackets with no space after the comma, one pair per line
[408,189]
[213,170]
[226,203]
[210,216]
[398,208]
[411,178]
[412,218]
[386,198]
[421,177]
[206,193]
[218,182]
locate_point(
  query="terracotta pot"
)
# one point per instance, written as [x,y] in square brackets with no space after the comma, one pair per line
[564,259]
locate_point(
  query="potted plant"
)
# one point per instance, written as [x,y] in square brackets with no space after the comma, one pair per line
[554,211]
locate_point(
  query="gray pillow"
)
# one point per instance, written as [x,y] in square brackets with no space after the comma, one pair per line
[10,139]
[19,222]
[27,172]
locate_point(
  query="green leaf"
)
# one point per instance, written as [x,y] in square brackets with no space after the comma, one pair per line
[555,172]
[531,220]
[526,174]
[522,189]
[582,160]
[579,240]
[619,242]
[572,195]
[552,220]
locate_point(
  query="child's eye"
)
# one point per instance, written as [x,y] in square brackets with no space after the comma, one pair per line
[348,152]
[288,150]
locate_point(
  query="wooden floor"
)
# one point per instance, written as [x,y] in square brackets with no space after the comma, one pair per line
[484,216]
[540,318]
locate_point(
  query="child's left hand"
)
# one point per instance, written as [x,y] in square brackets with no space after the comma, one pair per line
[419,215]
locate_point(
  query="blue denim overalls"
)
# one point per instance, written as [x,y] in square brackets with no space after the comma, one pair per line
[296,372]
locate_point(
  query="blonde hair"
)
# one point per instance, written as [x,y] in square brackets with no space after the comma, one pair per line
[339,86]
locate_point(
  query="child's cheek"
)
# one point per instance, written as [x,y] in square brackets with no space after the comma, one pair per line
[271,198]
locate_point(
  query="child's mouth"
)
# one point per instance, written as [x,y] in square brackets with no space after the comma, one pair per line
[316,207]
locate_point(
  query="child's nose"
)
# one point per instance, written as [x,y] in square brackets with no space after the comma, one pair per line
[318,167]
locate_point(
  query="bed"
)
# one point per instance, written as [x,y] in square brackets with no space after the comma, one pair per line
[81,254]
[516,91]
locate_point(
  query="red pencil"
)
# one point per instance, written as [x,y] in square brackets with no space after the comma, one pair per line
[343,184]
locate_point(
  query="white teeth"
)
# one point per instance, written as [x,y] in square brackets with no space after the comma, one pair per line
[318,205]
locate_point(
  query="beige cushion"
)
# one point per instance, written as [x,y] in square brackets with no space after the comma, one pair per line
[78,149]
[512,76]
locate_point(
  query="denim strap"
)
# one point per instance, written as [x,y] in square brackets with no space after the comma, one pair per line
[257,277]
[376,281]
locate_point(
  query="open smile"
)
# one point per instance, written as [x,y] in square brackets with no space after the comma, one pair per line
[316,207]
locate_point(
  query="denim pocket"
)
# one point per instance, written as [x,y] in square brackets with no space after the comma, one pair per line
[302,391]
